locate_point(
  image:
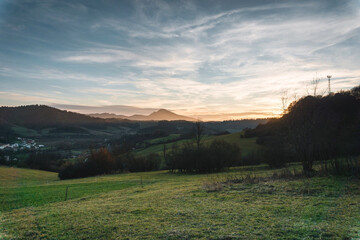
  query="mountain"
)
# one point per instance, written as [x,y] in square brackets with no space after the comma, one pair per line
[162,114]
[45,116]
[159,115]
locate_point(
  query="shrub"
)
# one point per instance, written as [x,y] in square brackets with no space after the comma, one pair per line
[275,157]
[212,158]
[348,166]
[139,164]
[47,161]
[254,158]
[103,162]
[99,162]
[75,170]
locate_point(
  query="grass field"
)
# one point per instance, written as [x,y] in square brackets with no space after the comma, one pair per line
[25,132]
[26,187]
[171,137]
[247,145]
[173,206]
[16,177]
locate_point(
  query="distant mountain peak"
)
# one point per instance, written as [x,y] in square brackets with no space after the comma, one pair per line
[164,110]
[164,114]
[159,115]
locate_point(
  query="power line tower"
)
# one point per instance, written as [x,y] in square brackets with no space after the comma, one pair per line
[329,77]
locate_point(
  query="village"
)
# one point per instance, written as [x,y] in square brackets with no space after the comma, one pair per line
[21,144]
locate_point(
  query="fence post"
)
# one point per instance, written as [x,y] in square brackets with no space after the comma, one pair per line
[66,193]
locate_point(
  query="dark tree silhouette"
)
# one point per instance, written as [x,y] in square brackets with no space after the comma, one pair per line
[198,134]
[315,128]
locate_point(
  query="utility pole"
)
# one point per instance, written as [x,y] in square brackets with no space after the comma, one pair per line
[329,77]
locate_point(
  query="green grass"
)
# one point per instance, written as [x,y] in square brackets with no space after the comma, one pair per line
[46,131]
[24,132]
[28,188]
[171,137]
[247,145]
[16,177]
[177,206]
[157,148]
[32,196]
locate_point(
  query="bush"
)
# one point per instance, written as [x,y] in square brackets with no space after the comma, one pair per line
[254,158]
[213,158]
[103,162]
[275,157]
[44,161]
[75,170]
[99,162]
[348,166]
[223,154]
[139,164]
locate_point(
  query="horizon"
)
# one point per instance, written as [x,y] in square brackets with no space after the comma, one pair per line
[114,110]
[204,59]
[129,111]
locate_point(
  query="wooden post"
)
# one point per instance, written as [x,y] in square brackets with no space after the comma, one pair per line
[66,193]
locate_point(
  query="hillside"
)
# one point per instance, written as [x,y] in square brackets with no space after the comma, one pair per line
[10,176]
[248,146]
[314,128]
[173,206]
[160,115]
[45,116]
[234,126]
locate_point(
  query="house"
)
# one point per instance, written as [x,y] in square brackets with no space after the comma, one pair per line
[4,146]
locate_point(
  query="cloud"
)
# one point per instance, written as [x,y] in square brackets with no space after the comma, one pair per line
[217,57]
[117,109]
[101,56]
[21,98]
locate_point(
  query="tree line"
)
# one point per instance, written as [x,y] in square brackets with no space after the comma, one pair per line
[193,156]
[103,161]
[313,128]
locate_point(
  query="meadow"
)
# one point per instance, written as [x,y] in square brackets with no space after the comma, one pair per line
[163,205]
[247,145]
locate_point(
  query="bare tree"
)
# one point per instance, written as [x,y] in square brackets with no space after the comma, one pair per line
[284,100]
[295,97]
[314,84]
[198,133]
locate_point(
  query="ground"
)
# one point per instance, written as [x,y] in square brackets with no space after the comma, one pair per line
[173,206]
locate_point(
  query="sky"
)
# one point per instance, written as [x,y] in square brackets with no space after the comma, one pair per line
[208,59]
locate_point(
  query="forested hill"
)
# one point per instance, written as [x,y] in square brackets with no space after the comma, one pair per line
[45,116]
[315,128]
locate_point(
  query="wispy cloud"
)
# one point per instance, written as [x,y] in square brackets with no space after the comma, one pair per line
[117,109]
[222,58]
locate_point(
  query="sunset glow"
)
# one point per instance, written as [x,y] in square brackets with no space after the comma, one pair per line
[224,60]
